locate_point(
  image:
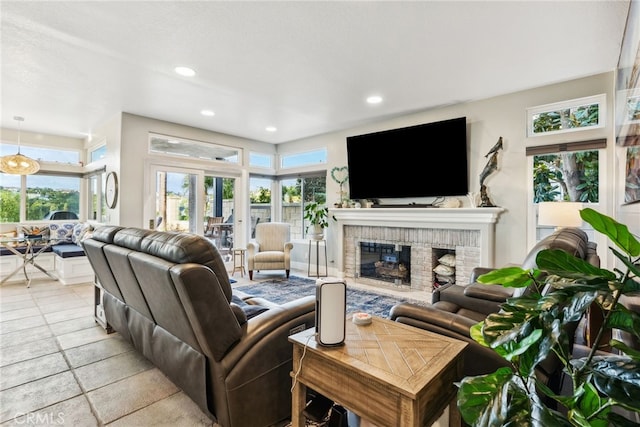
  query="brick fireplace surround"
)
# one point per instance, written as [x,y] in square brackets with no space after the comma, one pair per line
[470,232]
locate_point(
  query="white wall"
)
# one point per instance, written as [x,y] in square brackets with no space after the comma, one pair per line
[127,139]
[488,120]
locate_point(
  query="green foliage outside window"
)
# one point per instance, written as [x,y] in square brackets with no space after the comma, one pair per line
[261,195]
[9,206]
[569,118]
[315,189]
[567,176]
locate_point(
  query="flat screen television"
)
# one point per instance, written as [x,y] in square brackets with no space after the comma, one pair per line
[427,160]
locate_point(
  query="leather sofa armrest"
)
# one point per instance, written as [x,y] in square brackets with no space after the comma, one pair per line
[475,300]
[436,294]
[497,293]
[431,315]
[269,330]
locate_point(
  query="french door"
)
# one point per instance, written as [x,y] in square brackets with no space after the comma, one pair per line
[178,204]
[185,200]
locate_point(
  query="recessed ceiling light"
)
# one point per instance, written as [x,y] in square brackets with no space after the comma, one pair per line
[207,113]
[374,99]
[185,71]
[271,128]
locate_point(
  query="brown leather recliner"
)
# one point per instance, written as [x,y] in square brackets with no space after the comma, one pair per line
[456,308]
[169,294]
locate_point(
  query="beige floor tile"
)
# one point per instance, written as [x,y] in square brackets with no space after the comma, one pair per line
[36,395]
[177,410]
[73,313]
[77,324]
[97,351]
[29,350]
[73,412]
[110,370]
[74,302]
[25,336]
[131,394]
[21,324]
[31,370]
[81,337]
[19,313]
[24,303]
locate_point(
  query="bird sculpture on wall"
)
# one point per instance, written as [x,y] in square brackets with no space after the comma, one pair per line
[497,146]
[490,167]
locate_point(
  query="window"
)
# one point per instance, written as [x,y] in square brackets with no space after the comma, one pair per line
[566,116]
[260,160]
[567,172]
[98,154]
[167,145]
[49,155]
[308,158]
[44,193]
[260,201]
[296,192]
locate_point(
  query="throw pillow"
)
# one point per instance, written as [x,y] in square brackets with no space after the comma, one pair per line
[62,231]
[449,260]
[79,231]
[444,270]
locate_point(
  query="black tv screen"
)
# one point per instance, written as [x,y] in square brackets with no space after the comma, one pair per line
[427,160]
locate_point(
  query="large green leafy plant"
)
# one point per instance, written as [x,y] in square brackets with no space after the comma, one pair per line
[530,327]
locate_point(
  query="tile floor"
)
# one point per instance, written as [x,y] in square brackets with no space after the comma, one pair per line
[59,367]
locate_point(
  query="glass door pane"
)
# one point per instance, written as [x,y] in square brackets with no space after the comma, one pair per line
[176,201]
[218,214]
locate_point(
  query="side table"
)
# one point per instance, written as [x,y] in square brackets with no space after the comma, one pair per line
[238,255]
[388,373]
[318,245]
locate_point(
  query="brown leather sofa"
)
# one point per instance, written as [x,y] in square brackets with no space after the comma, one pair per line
[169,294]
[456,308]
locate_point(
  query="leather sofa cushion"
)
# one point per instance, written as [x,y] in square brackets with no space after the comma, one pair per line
[489,292]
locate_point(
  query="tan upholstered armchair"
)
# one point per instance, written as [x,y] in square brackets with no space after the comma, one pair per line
[270,249]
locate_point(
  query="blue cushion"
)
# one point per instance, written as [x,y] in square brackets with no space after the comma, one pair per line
[68,250]
[21,249]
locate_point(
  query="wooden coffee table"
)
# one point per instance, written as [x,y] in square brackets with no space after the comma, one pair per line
[388,373]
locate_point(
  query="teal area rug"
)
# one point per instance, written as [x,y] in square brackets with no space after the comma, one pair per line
[283,290]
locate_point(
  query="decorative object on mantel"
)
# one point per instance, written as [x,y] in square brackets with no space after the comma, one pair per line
[449,202]
[18,164]
[341,175]
[490,167]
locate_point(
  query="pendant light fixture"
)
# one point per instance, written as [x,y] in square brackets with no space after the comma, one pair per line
[17,164]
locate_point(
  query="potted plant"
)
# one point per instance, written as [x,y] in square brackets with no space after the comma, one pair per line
[317,215]
[528,328]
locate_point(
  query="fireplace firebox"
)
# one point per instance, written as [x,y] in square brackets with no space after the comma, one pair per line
[386,262]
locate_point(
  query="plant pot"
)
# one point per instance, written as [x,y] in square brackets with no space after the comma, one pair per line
[318,233]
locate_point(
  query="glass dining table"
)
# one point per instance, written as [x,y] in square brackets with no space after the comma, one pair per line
[28,248]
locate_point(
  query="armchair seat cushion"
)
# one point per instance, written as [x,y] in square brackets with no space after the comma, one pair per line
[269,256]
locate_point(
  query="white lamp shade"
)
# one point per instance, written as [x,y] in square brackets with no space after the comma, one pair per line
[560,214]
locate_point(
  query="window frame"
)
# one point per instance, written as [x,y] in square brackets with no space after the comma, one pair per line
[600,99]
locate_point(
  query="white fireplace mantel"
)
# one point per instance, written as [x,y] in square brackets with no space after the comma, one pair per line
[480,219]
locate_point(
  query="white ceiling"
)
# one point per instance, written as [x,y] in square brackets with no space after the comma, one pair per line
[305,67]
